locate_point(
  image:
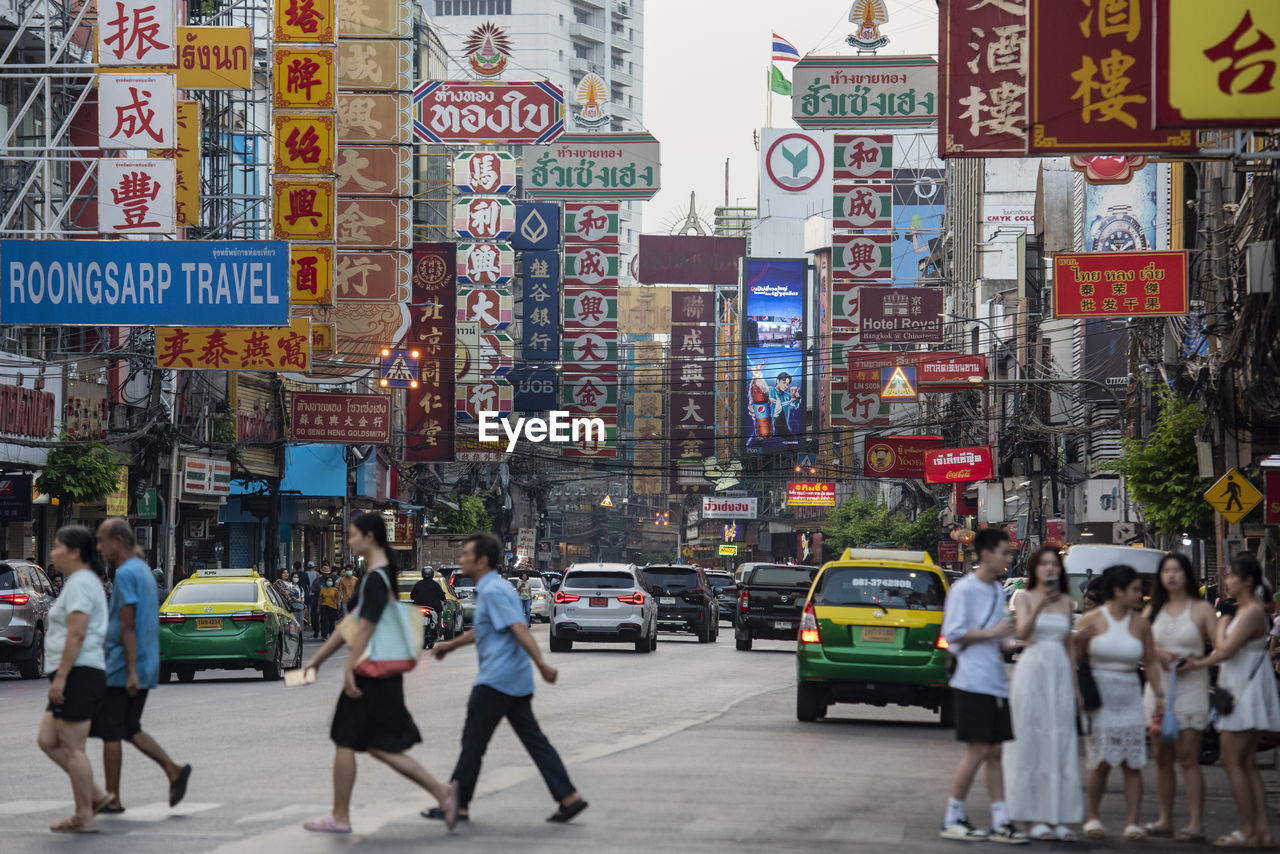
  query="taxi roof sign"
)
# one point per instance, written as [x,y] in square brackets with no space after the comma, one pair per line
[1233,496]
[238,572]
[898,383]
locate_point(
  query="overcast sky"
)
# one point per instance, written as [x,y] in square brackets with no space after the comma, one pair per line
[705,63]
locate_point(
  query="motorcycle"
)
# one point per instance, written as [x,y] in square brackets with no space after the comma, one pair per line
[430,627]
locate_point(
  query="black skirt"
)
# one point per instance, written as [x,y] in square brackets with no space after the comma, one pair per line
[377,720]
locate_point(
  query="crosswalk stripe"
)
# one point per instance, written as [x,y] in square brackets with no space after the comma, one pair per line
[160,810]
[23,807]
[285,813]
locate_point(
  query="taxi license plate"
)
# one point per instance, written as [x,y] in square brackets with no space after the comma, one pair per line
[208,622]
[878,634]
[783,625]
[666,600]
[599,601]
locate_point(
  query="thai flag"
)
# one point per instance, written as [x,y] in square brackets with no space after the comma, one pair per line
[783,50]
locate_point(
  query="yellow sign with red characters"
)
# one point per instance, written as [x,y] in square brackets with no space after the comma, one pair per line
[303,210]
[323,336]
[305,143]
[310,275]
[235,348]
[305,20]
[186,159]
[304,78]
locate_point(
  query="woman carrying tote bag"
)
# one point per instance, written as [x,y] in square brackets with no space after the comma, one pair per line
[371,715]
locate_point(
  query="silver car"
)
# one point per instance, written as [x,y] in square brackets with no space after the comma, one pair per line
[603,603]
[25,599]
[540,607]
[464,587]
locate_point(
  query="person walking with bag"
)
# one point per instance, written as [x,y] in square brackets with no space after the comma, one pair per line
[1245,700]
[371,715]
[975,623]
[1181,624]
[1041,767]
[525,591]
[504,685]
[75,661]
[1118,640]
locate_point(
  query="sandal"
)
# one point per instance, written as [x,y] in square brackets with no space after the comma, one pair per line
[1154,829]
[1134,833]
[1188,835]
[101,805]
[1234,839]
[1042,832]
[1094,830]
[449,806]
[1064,834]
[73,825]
[178,788]
[327,824]
[566,813]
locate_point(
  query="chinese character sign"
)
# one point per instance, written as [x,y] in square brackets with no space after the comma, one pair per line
[689,307]
[136,196]
[303,78]
[372,64]
[861,257]
[984,91]
[862,157]
[858,206]
[484,173]
[899,315]
[540,306]
[304,143]
[137,111]
[587,308]
[591,223]
[484,218]
[485,263]
[310,275]
[137,32]
[1091,79]
[1120,284]
[429,418]
[186,158]
[591,266]
[1219,65]
[375,18]
[374,117]
[235,348]
[340,418]
[311,21]
[373,170]
[303,210]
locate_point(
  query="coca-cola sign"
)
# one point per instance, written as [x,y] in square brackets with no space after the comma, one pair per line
[472,112]
[958,465]
[729,508]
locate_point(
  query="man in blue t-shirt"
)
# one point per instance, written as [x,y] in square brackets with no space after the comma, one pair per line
[504,686]
[133,663]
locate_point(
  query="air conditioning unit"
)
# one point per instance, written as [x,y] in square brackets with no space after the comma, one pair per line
[145,535]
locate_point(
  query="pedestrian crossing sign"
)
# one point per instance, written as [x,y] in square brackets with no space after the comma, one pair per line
[606,501]
[898,383]
[1233,496]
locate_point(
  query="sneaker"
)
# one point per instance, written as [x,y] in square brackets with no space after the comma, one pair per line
[1008,834]
[962,831]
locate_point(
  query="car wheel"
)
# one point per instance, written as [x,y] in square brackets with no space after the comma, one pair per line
[33,667]
[704,633]
[644,645]
[186,674]
[715,632]
[810,703]
[653,640]
[272,670]
[744,643]
[559,645]
[297,656]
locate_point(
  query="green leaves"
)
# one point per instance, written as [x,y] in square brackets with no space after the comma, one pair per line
[861,521]
[81,473]
[467,519]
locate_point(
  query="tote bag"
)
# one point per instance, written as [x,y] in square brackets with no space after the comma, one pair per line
[397,639]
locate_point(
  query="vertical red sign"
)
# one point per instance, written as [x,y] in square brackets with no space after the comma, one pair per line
[432,309]
[982,78]
[1271,513]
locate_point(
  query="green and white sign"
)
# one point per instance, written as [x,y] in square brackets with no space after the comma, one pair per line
[588,309]
[594,166]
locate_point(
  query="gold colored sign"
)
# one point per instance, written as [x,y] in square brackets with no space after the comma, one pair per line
[375,223]
[304,78]
[375,64]
[304,143]
[215,58]
[310,275]
[375,170]
[303,210]
[186,159]
[388,19]
[322,338]
[305,21]
[375,118]
[1223,67]
[235,348]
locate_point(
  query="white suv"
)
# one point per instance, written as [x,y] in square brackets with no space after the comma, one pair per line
[603,603]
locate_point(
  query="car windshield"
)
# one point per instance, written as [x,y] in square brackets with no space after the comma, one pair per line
[215,593]
[463,581]
[670,580]
[720,582]
[880,587]
[782,576]
[603,580]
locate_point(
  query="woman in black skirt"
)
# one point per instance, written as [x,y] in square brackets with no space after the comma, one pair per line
[371,716]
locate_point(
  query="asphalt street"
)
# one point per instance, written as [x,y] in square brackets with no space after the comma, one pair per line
[693,749]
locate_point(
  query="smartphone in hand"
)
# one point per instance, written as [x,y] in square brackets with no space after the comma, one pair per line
[299,676]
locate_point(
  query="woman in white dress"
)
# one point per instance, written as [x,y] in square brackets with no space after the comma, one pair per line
[1118,638]
[1042,769]
[1181,625]
[1241,649]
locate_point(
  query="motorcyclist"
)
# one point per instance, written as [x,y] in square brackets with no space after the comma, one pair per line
[427,593]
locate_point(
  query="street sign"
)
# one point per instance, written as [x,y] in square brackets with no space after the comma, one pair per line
[1233,496]
[898,383]
[729,550]
[399,368]
[687,551]
[606,501]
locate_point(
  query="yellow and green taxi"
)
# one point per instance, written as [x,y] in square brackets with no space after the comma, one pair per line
[227,619]
[451,619]
[871,633]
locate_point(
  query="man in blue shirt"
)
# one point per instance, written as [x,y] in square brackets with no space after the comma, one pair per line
[133,663]
[504,685]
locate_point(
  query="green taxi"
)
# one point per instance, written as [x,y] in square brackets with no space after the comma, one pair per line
[870,633]
[227,619]
[451,619]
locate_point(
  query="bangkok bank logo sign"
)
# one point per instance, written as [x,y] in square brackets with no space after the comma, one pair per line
[729,508]
[560,428]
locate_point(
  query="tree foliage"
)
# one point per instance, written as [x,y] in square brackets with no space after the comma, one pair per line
[470,516]
[81,473]
[859,522]
[1162,471]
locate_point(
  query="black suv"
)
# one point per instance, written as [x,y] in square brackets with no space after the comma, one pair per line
[686,600]
[726,591]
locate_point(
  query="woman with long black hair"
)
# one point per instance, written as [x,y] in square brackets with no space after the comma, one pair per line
[1241,649]
[371,715]
[1181,625]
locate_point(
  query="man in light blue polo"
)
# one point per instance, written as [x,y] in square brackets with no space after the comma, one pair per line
[504,685]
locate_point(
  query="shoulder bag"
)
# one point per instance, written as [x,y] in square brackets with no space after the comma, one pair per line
[1222,700]
[951,662]
[397,640]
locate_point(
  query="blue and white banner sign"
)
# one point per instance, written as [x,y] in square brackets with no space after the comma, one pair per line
[143,283]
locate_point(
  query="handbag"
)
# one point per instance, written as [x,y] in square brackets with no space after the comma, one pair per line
[1222,701]
[397,639]
[1089,693]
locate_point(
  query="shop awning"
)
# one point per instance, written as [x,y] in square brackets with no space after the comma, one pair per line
[315,471]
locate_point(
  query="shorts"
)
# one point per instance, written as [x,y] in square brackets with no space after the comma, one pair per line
[981,717]
[120,717]
[81,699]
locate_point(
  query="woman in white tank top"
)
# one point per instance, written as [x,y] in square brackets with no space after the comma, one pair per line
[1241,649]
[1181,625]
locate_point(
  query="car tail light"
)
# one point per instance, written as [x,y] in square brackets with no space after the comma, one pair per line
[249,617]
[942,643]
[172,618]
[562,598]
[636,598]
[742,600]
[809,625]
[15,599]
[426,610]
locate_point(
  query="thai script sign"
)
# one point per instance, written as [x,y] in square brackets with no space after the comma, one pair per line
[983,78]
[811,495]
[27,412]
[244,348]
[594,166]
[897,456]
[729,508]
[1120,284]
[127,283]
[890,315]
[944,372]
[865,91]
[958,465]
[215,58]
[340,418]
[469,112]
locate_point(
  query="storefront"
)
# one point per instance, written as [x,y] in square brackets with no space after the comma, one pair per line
[31,409]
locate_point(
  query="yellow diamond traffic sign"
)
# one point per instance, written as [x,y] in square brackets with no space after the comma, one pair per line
[1233,496]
